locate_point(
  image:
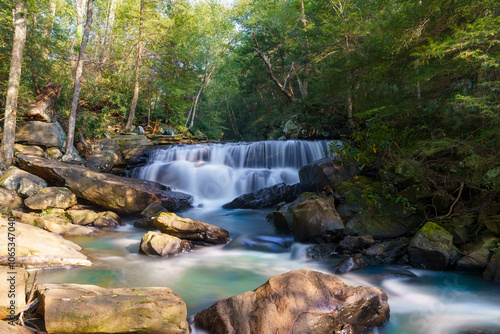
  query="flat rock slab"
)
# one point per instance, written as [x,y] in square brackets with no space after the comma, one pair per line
[38,248]
[111,192]
[74,308]
[189,229]
[300,301]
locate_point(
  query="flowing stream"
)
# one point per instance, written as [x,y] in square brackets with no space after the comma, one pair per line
[421,301]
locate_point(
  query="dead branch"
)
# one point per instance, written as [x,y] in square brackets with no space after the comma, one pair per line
[270,71]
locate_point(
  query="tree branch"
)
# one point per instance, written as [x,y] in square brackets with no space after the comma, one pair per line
[270,71]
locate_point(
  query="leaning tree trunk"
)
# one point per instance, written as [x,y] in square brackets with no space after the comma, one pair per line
[19,21]
[43,108]
[78,79]
[133,105]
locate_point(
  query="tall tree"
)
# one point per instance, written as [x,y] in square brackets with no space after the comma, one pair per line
[133,105]
[19,21]
[78,79]
[110,21]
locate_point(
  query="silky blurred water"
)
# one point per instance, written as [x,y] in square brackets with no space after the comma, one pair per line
[421,302]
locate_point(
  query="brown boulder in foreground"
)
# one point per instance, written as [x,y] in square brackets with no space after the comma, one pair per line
[300,301]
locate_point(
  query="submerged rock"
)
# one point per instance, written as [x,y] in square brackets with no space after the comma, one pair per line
[111,192]
[301,301]
[261,243]
[74,308]
[189,229]
[39,248]
[432,248]
[155,243]
[266,197]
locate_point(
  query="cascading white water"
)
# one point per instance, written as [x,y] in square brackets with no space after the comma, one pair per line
[221,172]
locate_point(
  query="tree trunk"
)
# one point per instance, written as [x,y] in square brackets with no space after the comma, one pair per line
[307,66]
[19,22]
[107,32]
[78,79]
[350,119]
[80,9]
[43,109]
[131,114]
[47,33]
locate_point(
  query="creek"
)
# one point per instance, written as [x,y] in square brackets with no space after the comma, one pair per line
[421,301]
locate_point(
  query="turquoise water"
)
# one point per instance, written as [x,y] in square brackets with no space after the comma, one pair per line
[421,301]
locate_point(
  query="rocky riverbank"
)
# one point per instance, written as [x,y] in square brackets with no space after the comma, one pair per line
[373,218]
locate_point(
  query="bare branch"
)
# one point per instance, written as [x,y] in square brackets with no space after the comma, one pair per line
[270,70]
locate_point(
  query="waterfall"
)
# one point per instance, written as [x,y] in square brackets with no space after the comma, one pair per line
[221,172]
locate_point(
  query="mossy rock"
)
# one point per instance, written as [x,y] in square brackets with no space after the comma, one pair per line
[432,248]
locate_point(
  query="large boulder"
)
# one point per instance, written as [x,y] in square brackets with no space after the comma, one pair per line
[102,161]
[38,248]
[368,208]
[28,188]
[326,172]
[13,177]
[301,301]
[51,197]
[73,308]
[476,260]
[12,290]
[492,223]
[316,219]
[111,192]
[266,197]
[379,227]
[41,133]
[9,200]
[155,243]
[492,271]
[190,229]
[432,248]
